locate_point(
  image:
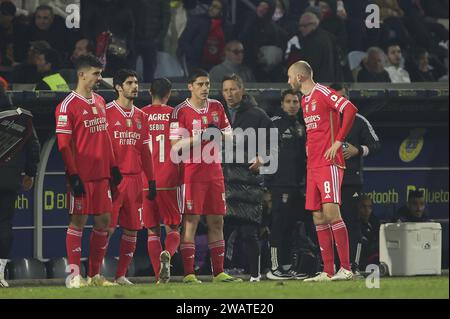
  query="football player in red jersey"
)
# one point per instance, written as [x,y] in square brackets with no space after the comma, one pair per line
[127,127]
[191,125]
[85,146]
[167,206]
[325,165]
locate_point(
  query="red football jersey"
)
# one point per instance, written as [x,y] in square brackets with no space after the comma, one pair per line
[129,136]
[321,110]
[165,170]
[86,121]
[186,117]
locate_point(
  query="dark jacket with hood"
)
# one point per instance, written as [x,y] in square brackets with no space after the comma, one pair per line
[26,160]
[244,188]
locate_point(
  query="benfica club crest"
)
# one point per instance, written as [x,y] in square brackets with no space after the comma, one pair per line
[215,117]
[313,105]
[204,120]
[94,110]
[138,124]
[189,204]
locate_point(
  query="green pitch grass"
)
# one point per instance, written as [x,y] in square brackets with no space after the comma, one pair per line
[415,287]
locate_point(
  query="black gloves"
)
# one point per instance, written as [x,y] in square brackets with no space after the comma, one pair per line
[206,134]
[77,185]
[151,190]
[116,176]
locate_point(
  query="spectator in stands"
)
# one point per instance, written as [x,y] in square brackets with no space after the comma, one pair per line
[243,180]
[395,69]
[331,22]
[316,46]
[369,227]
[426,32]
[26,73]
[269,67]
[437,9]
[48,64]
[215,42]
[260,30]
[82,47]
[232,64]
[392,27]
[152,20]
[419,67]
[12,34]
[414,210]
[11,181]
[284,19]
[116,17]
[372,67]
[193,45]
[49,27]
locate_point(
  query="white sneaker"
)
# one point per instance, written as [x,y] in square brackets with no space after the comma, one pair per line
[3,282]
[123,281]
[343,274]
[320,276]
[76,282]
[164,271]
[255,279]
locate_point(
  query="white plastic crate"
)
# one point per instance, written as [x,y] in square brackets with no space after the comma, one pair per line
[409,249]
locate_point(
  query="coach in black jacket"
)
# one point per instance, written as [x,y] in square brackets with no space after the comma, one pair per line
[285,185]
[244,184]
[11,181]
[361,141]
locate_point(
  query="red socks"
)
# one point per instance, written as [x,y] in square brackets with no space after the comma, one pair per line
[188,256]
[172,242]
[97,251]
[154,250]
[126,251]
[325,237]
[341,238]
[217,251]
[73,246]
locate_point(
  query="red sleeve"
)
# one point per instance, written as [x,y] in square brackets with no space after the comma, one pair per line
[347,121]
[342,105]
[146,155]
[65,147]
[111,152]
[224,125]
[147,162]
[176,124]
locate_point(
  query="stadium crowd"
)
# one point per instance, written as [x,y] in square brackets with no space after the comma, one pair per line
[258,40]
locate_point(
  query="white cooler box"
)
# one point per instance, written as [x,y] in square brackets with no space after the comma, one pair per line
[409,249]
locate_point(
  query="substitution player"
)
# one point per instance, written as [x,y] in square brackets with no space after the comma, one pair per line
[166,208]
[203,177]
[127,127]
[85,146]
[325,165]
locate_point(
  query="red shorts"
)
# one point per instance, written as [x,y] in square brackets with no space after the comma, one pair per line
[323,185]
[165,208]
[206,198]
[127,204]
[96,200]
